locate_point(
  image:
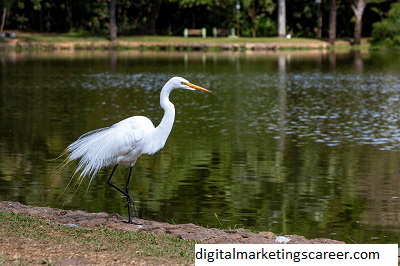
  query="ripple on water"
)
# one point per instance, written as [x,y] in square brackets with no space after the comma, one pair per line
[332,108]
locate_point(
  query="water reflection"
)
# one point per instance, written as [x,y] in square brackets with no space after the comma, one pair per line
[358,64]
[113,60]
[300,143]
[332,60]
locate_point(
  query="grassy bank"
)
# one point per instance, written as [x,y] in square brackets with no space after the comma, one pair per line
[67,37]
[49,41]
[28,240]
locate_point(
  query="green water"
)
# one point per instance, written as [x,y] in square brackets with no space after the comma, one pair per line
[298,143]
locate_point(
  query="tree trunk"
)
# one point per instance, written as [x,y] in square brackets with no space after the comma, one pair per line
[113,23]
[358,8]
[193,19]
[155,10]
[169,27]
[319,32]
[69,16]
[3,19]
[41,19]
[357,30]
[332,21]
[176,30]
[282,19]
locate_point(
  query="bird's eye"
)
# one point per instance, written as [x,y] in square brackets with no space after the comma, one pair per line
[183,83]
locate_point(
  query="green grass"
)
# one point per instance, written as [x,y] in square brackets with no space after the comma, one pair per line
[72,37]
[342,45]
[219,40]
[60,241]
[288,44]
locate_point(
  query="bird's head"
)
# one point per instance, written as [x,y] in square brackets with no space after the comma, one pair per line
[181,83]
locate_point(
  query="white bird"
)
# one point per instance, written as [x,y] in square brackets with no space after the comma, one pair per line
[124,142]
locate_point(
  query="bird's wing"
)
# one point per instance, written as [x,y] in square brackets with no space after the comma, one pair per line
[101,147]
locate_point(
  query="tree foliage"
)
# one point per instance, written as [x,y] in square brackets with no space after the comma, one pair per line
[170,17]
[387,32]
[256,10]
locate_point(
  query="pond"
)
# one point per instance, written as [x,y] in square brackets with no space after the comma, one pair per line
[294,142]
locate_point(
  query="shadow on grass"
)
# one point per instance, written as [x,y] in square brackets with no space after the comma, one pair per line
[63,37]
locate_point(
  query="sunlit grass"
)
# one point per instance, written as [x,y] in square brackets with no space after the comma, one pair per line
[69,37]
[342,44]
[293,43]
[216,40]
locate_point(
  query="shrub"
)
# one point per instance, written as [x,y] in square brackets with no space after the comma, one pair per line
[386,33]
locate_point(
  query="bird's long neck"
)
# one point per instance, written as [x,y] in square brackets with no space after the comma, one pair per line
[169,112]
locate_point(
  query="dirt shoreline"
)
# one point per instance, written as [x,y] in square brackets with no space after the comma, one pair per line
[182,231]
[82,219]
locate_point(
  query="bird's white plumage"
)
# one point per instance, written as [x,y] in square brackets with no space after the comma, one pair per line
[125,141]
[120,143]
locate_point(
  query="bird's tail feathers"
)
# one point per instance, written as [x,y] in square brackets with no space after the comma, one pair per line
[59,156]
[94,150]
[63,165]
[77,183]
[69,182]
[91,148]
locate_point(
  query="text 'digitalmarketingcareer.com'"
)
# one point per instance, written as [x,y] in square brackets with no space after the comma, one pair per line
[296,254]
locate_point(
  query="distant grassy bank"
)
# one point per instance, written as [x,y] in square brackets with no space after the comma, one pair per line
[49,41]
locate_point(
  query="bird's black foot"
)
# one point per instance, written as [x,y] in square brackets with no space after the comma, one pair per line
[131,206]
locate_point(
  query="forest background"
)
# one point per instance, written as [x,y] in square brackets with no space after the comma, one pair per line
[254,18]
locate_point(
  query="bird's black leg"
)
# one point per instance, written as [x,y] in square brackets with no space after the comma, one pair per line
[130,200]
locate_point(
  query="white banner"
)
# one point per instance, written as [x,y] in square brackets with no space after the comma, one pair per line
[296,254]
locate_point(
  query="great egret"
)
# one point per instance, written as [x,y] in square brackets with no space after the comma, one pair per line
[124,142]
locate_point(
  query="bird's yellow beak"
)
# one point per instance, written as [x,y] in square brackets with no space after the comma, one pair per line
[196,87]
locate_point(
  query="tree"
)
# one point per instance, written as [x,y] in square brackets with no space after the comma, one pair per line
[256,9]
[154,8]
[282,18]
[7,4]
[387,32]
[319,24]
[302,17]
[358,7]
[332,21]
[69,19]
[200,13]
[113,23]
[3,19]
[257,17]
